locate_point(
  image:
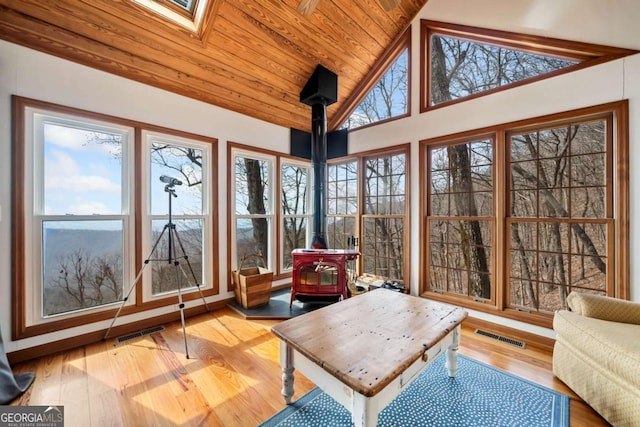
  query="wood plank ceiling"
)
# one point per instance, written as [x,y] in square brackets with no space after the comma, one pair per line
[248,56]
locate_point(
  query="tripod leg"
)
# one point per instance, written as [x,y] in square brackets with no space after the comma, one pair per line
[176,263]
[133,284]
[193,274]
[124,301]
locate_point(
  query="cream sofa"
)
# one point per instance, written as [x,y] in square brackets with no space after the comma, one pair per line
[597,354]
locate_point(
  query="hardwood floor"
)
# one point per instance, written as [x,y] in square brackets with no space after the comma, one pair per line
[232,377]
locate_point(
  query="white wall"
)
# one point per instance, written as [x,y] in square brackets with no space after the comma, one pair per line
[612,23]
[32,74]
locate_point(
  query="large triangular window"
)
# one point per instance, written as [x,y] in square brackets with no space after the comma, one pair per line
[462,62]
[385,93]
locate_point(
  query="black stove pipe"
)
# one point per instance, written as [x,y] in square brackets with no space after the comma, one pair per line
[320,90]
[319,168]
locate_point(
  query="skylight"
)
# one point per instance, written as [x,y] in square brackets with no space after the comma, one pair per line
[187,13]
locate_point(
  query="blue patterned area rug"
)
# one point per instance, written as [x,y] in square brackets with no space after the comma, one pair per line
[479,395]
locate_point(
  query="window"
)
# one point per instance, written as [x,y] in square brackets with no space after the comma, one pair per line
[375,212]
[462,62]
[342,203]
[387,99]
[460,219]
[271,215]
[189,14]
[560,216]
[84,199]
[295,210]
[384,94]
[253,205]
[558,228]
[385,211]
[80,196]
[187,162]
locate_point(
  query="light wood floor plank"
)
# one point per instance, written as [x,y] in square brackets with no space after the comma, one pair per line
[232,377]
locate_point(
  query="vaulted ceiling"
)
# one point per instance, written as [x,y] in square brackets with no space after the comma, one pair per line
[248,56]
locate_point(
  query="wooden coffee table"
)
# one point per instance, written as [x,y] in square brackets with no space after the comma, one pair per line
[365,350]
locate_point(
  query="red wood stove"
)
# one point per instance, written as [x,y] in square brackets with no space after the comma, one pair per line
[320,274]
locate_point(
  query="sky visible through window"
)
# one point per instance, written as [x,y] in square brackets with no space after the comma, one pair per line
[82,173]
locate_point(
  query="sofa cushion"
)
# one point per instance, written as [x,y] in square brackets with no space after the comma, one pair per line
[614,346]
[605,308]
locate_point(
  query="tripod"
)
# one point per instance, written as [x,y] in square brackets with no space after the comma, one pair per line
[173,237]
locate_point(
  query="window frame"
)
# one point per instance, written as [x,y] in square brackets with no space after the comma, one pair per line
[587,54]
[22,237]
[618,284]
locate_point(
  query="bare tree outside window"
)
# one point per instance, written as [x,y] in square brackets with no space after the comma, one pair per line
[385,208]
[461,223]
[460,68]
[558,207]
[294,184]
[387,99]
[252,184]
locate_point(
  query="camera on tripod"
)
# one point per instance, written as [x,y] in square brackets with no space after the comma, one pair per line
[170,180]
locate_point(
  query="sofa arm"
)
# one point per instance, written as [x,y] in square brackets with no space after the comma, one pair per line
[604,308]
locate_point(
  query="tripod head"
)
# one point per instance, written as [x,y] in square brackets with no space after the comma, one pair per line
[171,183]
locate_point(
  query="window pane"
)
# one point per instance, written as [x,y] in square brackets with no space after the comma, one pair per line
[342,188]
[383,247]
[186,250]
[385,177]
[82,171]
[339,230]
[252,186]
[82,265]
[460,68]
[294,181]
[457,175]
[183,163]
[387,99]
[252,237]
[294,235]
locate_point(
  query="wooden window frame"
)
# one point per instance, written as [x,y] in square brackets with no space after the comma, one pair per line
[586,53]
[618,282]
[20,326]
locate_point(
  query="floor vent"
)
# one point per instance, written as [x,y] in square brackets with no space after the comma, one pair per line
[139,334]
[511,341]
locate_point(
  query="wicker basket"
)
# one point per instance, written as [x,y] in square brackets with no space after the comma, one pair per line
[252,284]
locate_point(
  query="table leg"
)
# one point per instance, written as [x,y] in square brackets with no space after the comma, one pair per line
[286,362]
[362,412]
[452,353]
